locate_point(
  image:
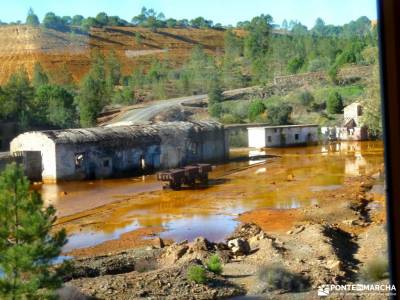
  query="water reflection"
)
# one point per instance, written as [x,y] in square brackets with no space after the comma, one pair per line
[214,228]
[91,238]
[288,182]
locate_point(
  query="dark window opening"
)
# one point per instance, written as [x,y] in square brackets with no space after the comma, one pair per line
[106,163]
[269,139]
[296,136]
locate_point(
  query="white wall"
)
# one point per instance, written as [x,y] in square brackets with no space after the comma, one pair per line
[36,141]
[260,137]
[257,137]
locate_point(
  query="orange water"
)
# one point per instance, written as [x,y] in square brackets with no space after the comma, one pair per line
[288,180]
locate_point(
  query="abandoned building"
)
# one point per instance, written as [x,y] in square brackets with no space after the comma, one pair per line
[351,128]
[282,136]
[103,152]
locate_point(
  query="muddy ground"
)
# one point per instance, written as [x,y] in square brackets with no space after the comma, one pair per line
[326,243]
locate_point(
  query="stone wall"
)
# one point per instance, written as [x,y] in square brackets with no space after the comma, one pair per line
[312,77]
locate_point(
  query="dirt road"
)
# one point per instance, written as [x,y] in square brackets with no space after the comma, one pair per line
[146,112]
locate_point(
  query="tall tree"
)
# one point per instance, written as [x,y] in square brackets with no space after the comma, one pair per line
[39,76]
[334,104]
[19,93]
[54,105]
[113,68]
[257,46]
[93,93]
[31,18]
[372,105]
[27,246]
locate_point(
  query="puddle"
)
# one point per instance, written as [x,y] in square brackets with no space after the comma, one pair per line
[91,238]
[287,178]
[214,228]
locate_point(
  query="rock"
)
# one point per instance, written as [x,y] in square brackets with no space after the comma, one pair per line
[335,266]
[289,232]
[157,243]
[239,246]
[299,229]
[175,252]
[200,244]
[245,231]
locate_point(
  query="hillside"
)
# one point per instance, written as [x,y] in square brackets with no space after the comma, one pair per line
[55,50]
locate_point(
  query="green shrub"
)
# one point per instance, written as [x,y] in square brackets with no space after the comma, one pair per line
[276,277]
[306,98]
[256,108]
[318,64]
[375,270]
[214,264]
[215,110]
[197,274]
[295,64]
[334,105]
[229,119]
[279,114]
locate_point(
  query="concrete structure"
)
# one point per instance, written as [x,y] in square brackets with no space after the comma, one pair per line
[103,152]
[351,128]
[282,136]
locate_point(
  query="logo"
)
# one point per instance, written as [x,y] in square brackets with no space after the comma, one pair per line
[323,290]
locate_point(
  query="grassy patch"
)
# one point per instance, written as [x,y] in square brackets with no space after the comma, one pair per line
[214,264]
[375,270]
[197,274]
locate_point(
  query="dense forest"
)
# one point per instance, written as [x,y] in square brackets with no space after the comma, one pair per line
[255,51]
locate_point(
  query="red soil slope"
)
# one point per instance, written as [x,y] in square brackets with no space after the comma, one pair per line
[24,45]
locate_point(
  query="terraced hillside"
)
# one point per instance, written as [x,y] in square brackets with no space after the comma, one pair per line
[23,46]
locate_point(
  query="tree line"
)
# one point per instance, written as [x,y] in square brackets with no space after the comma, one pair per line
[254,58]
[147,18]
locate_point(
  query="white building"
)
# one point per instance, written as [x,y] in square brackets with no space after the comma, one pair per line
[102,152]
[282,136]
[351,128]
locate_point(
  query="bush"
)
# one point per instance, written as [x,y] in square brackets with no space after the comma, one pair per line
[215,110]
[229,119]
[295,64]
[375,270]
[306,98]
[334,105]
[279,114]
[318,64]
[214,264]
[277,278]
[197,274]
[255,109]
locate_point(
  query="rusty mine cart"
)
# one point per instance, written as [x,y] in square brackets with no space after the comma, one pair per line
[186,175]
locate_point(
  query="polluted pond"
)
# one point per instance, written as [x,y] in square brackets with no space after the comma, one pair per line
[283,181]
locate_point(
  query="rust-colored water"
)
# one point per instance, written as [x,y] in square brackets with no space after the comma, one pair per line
[288,181]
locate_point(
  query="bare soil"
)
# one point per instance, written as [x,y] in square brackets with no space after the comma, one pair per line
[328,243]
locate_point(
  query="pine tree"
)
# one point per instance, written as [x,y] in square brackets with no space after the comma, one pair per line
[93,94]
[19,94]
[31,18]
[113,66]
[334,105]
[39,76]
[27,246]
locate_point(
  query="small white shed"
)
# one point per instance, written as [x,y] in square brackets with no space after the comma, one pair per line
[282,136]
